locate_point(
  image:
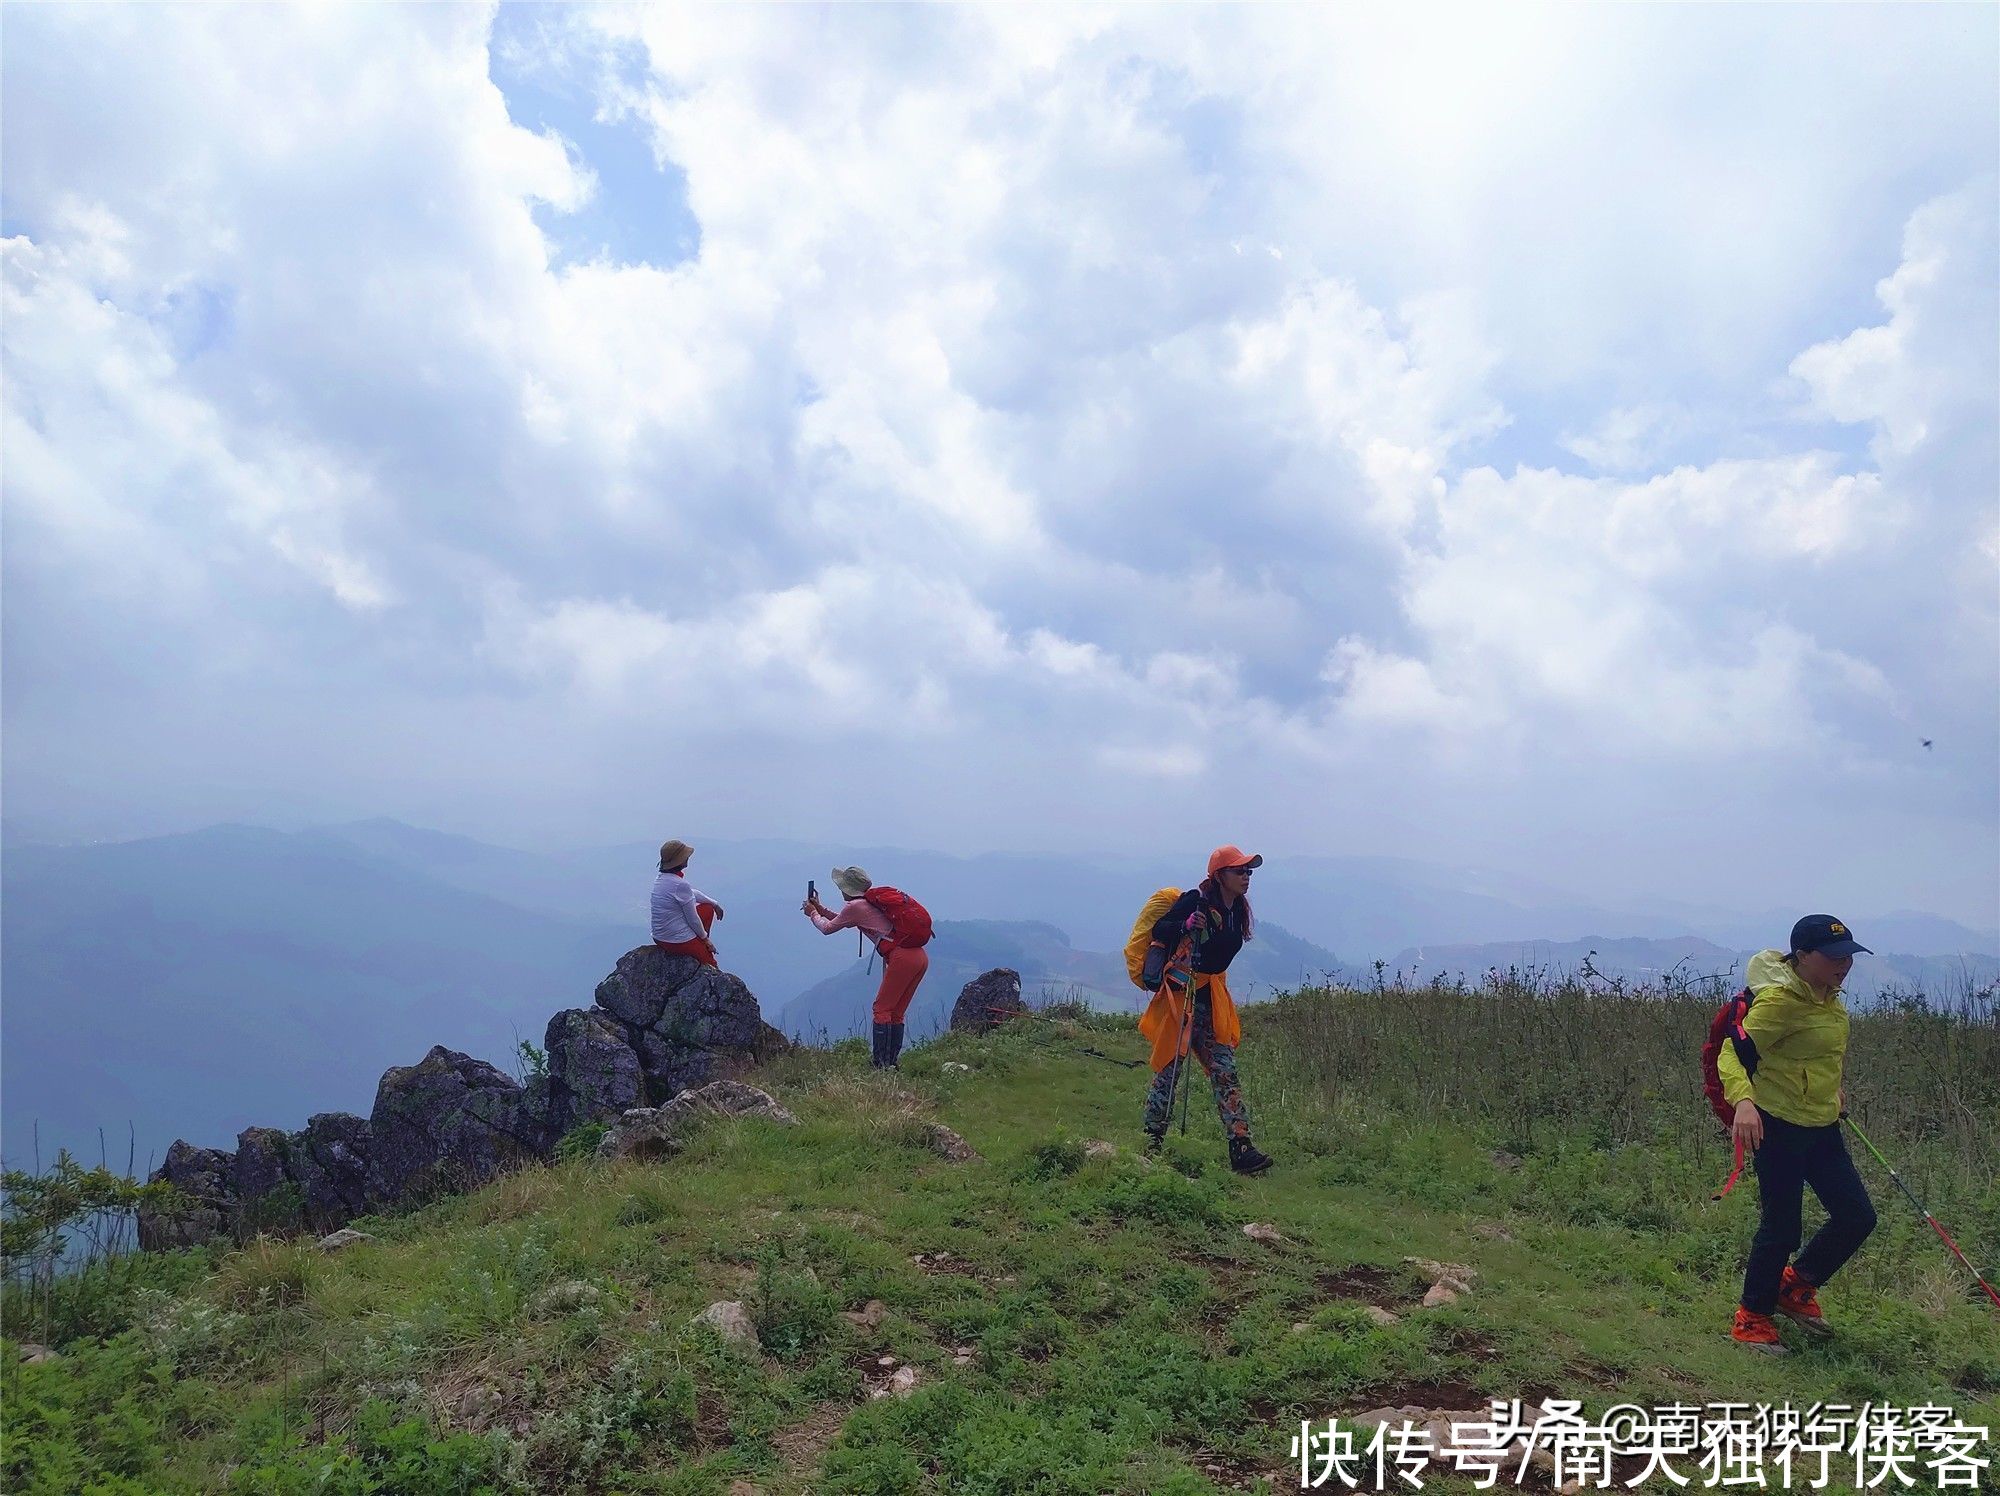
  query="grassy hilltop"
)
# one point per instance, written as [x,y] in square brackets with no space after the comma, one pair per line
[1077,1321]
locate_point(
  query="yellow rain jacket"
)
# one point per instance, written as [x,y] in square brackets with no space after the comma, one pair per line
[1801,1038]
[1164,1015]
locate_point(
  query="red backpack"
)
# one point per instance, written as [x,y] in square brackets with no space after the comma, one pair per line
[909,921]
[1727,1028]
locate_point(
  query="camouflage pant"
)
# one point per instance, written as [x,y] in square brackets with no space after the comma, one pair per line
[1219,1060]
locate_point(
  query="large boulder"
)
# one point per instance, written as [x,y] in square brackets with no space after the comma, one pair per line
[661,1131]
[202,1207]
[450,1123]
[688,1023]
[267,1199]
[330,1163]
[593,1069]
[988,1001]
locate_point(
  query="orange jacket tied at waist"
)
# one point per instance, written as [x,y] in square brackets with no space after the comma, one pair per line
[1166,1017]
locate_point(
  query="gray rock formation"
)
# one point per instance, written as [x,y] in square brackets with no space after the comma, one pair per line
[204,1204]
[987,1001]
[330,1164]
[450,1123]
[593,1069]
[689,1023]
[664,1027]
[658,1132]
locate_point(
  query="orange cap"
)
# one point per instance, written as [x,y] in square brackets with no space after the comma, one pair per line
[1223,857]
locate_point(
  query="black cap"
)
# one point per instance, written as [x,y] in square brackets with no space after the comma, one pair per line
[1827,935]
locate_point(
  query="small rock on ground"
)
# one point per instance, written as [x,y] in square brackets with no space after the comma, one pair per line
[1258,1231]
[942,1141]
[346,1236]
[730,1320]
[868,1316]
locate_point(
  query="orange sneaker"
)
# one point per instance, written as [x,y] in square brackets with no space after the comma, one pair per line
[1798,1301]
[1757,1331]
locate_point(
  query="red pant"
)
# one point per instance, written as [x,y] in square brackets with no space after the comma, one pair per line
[699,949]
[902,969]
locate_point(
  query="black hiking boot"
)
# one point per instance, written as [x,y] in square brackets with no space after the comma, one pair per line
[1155,1141]
[1244,1157]
[879,1056]
[895,1045]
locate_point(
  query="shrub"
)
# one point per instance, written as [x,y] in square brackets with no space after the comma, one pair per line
[580,1142]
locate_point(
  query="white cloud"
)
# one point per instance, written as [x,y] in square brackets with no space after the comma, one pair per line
[1931,362]
[1629,439]
[1114,393]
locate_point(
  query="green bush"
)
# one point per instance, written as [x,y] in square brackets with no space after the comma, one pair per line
[793,1314]
[581,1142]
[384,1452]
[1054,1159]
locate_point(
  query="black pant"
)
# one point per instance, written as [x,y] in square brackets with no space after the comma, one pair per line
[1792,1158]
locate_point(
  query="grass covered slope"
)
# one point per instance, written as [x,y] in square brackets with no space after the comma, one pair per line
[1077,1323]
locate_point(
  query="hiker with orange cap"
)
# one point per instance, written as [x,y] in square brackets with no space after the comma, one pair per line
[1782,1074]
[900,928]
[682,913]
[1186,963]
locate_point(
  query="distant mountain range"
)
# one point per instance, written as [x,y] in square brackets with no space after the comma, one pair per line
[194,984]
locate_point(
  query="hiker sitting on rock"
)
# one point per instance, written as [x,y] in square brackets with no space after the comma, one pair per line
[900,927]
[1203,930]
[682,913]
[1788,1108]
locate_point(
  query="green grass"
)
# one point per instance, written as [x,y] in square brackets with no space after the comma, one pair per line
[1079,1324]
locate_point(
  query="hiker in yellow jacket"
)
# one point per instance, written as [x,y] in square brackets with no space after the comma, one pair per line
[1204,929]
[1788,1104]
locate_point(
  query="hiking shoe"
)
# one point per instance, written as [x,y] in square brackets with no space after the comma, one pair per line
[1798,1301]
[1244,1157]
[1155,1141]
[1759,1332]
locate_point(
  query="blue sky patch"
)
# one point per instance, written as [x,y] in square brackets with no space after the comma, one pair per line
[639,214]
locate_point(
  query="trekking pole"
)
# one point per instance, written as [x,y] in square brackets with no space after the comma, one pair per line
[1186,1050]
[1943,1235]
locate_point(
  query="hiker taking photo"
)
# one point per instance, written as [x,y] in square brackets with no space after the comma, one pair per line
[682,913]
[900,928]
[1781,1072]
[1191,943]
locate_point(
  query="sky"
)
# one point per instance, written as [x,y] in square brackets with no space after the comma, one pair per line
[1554,439]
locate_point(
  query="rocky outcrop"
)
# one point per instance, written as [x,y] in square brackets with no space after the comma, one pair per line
[593,1069]
[663,1027]
[660,1131]
[450,1123]
[987,1001]
[689,1023]
[204,1202]
[330,1165]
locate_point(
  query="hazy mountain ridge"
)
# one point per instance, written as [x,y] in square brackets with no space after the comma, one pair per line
[196,983]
